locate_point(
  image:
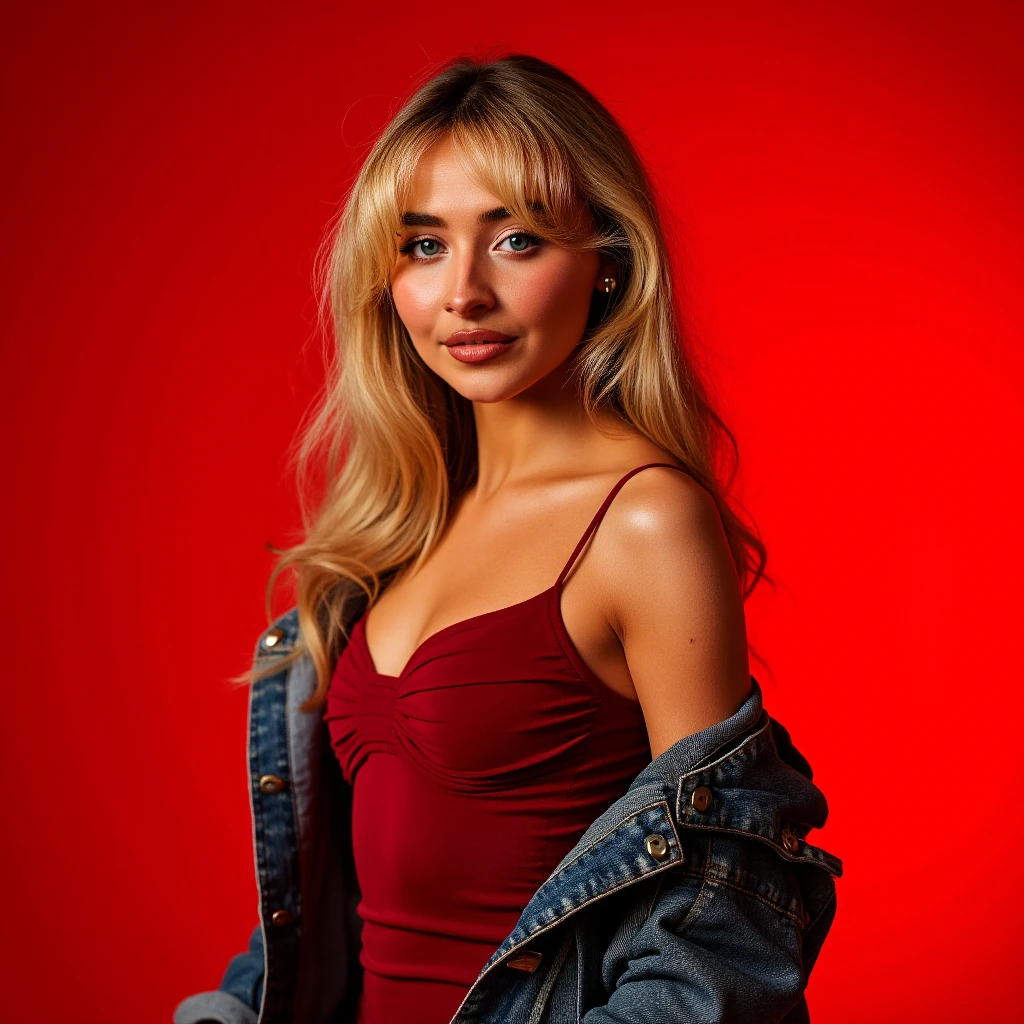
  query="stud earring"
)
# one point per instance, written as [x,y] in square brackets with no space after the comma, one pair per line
[609,285]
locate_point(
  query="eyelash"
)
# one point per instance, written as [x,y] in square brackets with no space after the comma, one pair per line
[407,248]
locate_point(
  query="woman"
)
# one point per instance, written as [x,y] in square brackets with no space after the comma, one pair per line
[509,761]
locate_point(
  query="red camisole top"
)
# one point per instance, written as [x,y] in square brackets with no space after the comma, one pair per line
[474,771]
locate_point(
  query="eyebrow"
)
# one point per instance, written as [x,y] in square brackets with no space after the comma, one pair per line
[428,220]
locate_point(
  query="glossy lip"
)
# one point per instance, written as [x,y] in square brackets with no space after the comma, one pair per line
[479,336]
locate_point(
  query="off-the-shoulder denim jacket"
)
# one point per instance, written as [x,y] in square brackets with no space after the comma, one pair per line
[694,897]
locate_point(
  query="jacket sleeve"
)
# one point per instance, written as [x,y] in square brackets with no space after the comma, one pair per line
[731,942]
[237,999]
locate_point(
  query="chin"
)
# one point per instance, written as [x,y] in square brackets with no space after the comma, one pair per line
[497,383]
[497,389]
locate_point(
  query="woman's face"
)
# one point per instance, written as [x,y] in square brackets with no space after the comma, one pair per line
[466,265]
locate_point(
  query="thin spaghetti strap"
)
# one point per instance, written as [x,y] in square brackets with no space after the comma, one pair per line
[601,511]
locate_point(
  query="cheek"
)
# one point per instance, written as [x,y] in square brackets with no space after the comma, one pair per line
[555,297]
[416,299]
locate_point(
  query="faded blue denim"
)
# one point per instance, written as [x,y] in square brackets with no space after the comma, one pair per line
[663,912]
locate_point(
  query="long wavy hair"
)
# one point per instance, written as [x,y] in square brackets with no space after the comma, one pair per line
[392,443]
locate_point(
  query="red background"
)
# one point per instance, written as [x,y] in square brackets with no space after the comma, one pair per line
[845,186]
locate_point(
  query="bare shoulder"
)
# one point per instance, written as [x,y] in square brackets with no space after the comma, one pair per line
[663,537]
[662,504]
[672,594]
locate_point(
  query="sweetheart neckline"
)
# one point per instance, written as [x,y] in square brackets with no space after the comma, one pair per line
[565,641]
[445,629]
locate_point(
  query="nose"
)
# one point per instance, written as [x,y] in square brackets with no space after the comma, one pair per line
[468,290]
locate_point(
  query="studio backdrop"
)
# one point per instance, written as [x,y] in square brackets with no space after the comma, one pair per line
[841,186]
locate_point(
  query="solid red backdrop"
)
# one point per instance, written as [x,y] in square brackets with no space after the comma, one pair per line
[843,186]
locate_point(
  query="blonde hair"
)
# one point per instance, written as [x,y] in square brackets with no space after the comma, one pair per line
[396,443]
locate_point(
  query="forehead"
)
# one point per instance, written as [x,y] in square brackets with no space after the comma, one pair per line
[441,178]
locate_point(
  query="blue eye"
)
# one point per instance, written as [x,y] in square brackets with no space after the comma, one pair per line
[425,242]
[521,241]
[428,247]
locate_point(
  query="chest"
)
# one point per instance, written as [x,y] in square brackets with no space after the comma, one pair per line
[486,704]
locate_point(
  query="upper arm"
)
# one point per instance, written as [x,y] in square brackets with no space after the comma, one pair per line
[674,600]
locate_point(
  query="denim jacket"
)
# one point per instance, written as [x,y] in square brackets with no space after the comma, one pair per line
[694,897]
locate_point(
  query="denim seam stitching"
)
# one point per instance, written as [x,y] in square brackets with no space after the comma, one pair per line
[714,880]
[700,898]
[552,976]
[780,850]
[746,741]
[655,895]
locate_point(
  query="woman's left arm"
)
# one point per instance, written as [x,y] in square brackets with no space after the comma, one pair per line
[673,597]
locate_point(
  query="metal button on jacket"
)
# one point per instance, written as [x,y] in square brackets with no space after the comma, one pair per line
[271,784]
[273,637]
[528,960]
[281,917]
[701,798]
[656,846]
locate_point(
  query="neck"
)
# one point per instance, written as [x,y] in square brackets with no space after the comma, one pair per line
[539,432]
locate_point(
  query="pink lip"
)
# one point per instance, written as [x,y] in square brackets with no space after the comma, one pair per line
[478,345]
